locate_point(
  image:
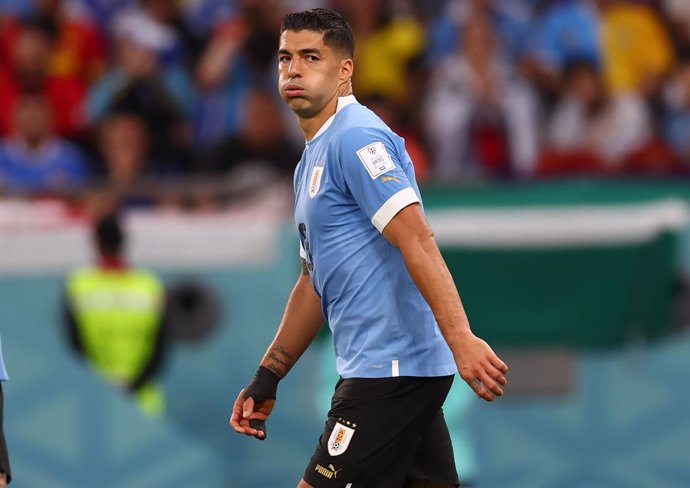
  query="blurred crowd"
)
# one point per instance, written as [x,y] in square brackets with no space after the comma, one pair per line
[130,93]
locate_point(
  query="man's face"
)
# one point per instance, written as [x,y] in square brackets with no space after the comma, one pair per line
[309,72]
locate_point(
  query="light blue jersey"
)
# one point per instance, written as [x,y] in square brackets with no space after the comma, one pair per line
[3,371]
[354,177]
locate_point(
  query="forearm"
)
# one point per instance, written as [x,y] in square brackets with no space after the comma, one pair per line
[431,275]
[301,322]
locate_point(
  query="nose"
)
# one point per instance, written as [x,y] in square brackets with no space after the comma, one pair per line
[294,68]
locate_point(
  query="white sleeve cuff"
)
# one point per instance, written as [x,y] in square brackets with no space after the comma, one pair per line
[392,206]
[302,252]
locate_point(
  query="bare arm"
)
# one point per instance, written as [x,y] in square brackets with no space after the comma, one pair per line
[477,363]
[301,322]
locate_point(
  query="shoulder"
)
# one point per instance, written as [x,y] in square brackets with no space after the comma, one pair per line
[79,275]
[148,278]
[360,127]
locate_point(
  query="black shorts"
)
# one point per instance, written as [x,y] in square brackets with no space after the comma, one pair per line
[383,431]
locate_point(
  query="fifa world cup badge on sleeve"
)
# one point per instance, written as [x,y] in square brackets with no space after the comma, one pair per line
[376,159]
[340,438]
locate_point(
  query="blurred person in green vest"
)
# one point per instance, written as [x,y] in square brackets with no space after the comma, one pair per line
[115,318]
[5,473]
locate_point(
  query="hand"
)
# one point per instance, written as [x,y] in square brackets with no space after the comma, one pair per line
[481,368]
[249,418]
[3,479]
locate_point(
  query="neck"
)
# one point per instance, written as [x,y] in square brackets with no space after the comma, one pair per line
[111,261]
[311,125]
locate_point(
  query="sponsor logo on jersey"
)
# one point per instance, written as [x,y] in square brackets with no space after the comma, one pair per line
[340,438]
[376,159]
[330,472]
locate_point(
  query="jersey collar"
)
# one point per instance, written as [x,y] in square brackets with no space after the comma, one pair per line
[342,103]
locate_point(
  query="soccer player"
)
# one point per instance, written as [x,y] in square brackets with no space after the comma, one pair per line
[371,267]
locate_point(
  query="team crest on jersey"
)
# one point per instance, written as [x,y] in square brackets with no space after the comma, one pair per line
[315,180]
[340,439]
[376,159]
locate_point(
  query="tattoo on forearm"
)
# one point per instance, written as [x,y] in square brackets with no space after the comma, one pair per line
[283,351]
[275,369]
[305,268]
[280,361]
[275,357]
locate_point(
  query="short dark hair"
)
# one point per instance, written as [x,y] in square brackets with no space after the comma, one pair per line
[337,33]
[109,235]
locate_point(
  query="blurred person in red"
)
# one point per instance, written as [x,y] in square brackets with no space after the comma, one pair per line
[597,128]
[29,71]
[79,49]
[481,117]
[34,158]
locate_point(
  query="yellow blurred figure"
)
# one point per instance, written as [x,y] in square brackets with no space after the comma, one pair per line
[637,49]
[115,317]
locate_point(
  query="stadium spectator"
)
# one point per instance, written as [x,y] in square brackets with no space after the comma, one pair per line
[240,55]
[137,67]
[386,42]
[124,147]
[34,158]
[163,96]
[637,50]
[29,71]
[566,31]
[600,128]
[262,141]
[481,116]
[160,26]
[80,47]
[511,19]
[676,127]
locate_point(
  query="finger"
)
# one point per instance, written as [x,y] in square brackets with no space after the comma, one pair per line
[260,427]
[496,375]
[499,365]
[479,389]
[491,384]
[248,407]
[236,417]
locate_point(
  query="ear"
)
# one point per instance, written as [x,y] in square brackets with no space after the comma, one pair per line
[346,70]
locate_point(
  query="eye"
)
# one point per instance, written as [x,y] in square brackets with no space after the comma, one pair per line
[283,59]
[311,57]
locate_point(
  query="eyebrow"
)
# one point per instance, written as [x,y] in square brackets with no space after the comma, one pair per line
[309,50]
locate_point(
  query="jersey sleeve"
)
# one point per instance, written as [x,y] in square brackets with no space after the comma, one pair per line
[374,174]
[302,252]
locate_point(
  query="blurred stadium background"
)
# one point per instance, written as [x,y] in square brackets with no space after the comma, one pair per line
[552,141]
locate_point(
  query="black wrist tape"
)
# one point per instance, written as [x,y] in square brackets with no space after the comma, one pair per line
[263,387]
